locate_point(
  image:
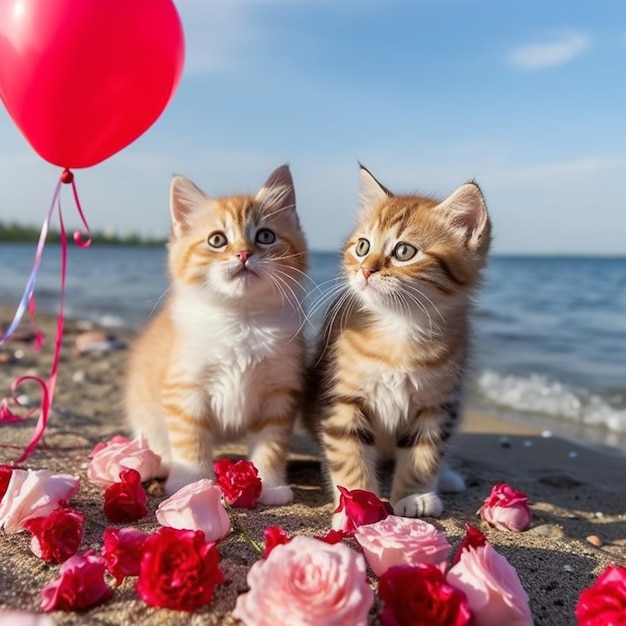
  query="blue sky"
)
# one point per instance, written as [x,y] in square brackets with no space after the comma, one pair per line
[528,98]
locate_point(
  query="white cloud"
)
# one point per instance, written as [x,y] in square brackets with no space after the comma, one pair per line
[538,56]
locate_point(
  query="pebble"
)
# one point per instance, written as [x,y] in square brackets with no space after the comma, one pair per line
[546,434]
[595,540]
[79,376]
[504,442]
[568,568]
[528,443]
[24,400]
[572,454]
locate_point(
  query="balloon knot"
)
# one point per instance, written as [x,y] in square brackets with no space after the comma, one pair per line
[66,177]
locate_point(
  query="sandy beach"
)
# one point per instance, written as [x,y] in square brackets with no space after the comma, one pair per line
[575,493]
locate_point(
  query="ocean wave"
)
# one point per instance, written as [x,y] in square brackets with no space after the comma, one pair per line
[539,395]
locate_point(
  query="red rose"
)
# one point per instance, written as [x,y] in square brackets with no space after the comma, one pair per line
[179,570]
[474,538]
[604,603]
[5,477]
[126,501]
[57,536]
[418,595]
[239,482]
[274,536]
[506,509]
[359,507]
[123,551]
[80,585]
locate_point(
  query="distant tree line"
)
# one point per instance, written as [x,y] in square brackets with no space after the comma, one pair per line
[19,233]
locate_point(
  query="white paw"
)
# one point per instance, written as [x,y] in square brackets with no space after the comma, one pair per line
[276,496]
[419,505]
[450,481]
[182,475]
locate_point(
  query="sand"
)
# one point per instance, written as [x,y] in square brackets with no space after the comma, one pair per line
[575,493]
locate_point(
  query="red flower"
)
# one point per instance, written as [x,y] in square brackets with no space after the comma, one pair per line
[5,477]
[333,536]
[126,501]
[57,536]
[123,550]
[604,603]
[80,585]
[418,595]
[506,509]
[239,482]
[474,538]
[179,570]
[359,507]
[274,536]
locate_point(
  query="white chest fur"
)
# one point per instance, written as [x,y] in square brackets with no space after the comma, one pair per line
[239,355]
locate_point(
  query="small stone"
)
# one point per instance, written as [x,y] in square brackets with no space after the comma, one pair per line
[504,442]
[568,568]
[598,514]
[528,443]
[573,454]
[595,540]
[79,376]
[546,434]
[24,400]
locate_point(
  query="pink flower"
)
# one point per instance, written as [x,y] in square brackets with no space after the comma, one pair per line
[307,582]
[80,585]
[506,509]
[418,595]
[491,585]
[125,501]
[57,536]
[197,506]
[24,618]
[109,459]
[274,536]
[122,550]
[604,603]
[402,540]
[239,482]
[179,570]
[358,507]
[33,494]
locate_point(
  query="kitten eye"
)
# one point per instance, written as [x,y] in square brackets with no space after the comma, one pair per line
[362,247]
[265,237]
[404,251]
[217,239]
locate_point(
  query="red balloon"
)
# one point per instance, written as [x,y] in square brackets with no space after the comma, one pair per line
[82,79]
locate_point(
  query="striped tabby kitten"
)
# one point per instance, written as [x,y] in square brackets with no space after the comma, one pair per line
[387,379]
[225,357]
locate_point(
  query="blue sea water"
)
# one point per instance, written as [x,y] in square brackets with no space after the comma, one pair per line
[550,331]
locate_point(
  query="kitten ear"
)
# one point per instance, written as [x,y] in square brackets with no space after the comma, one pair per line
[372,192]
[277,193]
[185,198]
[466,210]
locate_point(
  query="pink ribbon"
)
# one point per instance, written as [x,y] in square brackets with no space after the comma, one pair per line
[27,303]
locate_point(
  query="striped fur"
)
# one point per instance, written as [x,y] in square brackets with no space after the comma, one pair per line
[387,378]
[224,357]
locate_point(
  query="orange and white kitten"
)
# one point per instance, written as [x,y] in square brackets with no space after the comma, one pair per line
[387,379]
[224,358]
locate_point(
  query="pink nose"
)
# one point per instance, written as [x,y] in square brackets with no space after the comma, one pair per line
[367,273]
[244,255]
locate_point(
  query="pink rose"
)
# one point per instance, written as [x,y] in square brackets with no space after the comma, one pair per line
[57,536]
[604,603]
[418,595]
[80,585]
[239,482]
[402,540]
[109,459]
[125,501]
[358,507]
[122,550]
[197,506]
[506,509]
[33,494]
[23,618]
[490,583]
[307,582]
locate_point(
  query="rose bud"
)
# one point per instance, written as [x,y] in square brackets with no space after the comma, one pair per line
[506,509]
